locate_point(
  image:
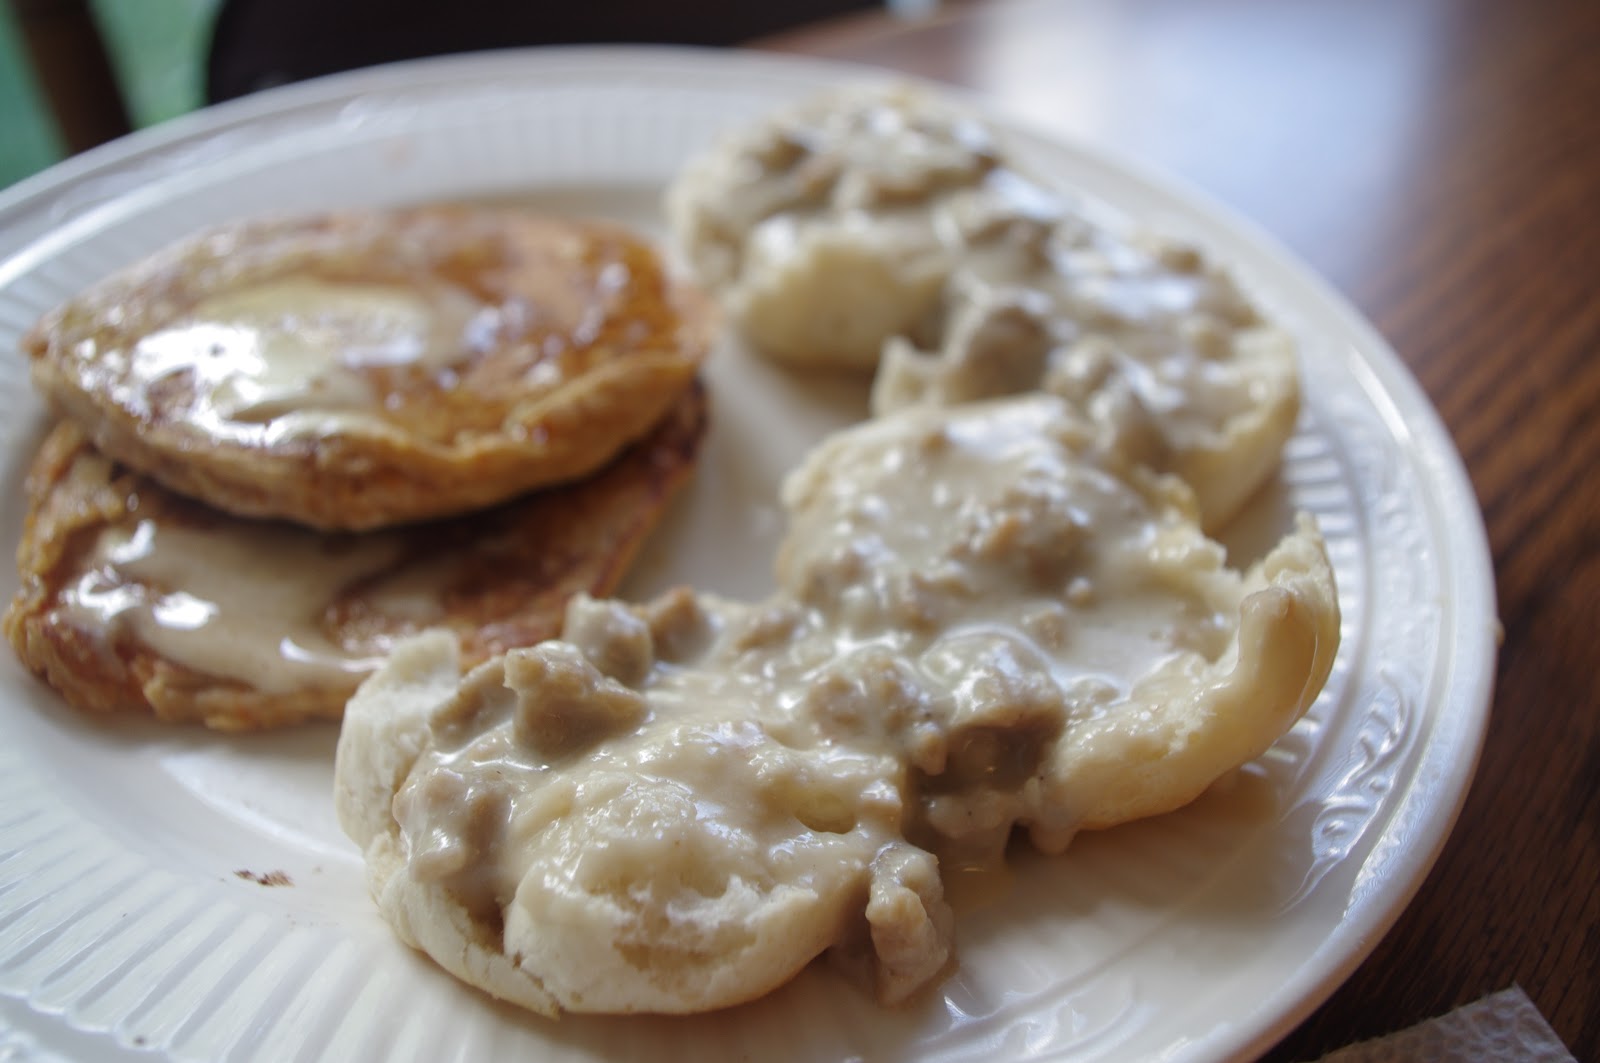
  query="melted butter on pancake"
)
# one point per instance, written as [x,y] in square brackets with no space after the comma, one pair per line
[304,353]
[260,352]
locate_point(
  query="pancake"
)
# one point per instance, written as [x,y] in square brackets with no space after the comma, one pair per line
[136,599]
[355,370]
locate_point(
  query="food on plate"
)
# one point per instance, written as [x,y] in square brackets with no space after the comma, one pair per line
[987,618]
[817,229]
[887,228]
[359,369]
[1143,337]
[136,599]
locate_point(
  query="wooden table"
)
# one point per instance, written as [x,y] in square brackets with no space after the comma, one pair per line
[1438,161]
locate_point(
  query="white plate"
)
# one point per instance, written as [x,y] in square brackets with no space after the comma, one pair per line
[133,917]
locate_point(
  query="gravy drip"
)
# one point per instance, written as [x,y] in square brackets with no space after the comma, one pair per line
[252,601]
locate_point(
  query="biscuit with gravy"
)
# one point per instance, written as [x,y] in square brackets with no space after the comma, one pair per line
[987,618]
[888,229]
[815,229]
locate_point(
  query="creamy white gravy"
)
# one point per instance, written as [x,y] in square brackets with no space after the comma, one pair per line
[882,228]
[956,589]
[1150,314]
[251,604]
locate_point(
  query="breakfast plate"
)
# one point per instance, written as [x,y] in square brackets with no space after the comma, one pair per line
[189,895]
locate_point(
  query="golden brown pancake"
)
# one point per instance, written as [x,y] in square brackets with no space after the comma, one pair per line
[136,599]
[355,370]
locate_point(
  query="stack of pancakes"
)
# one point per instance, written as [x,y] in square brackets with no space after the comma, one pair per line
[285,444]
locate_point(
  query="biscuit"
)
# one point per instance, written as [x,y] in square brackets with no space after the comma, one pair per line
[1127,666]
[1144,336]
[986,618]
[136,599]
[693,885]
[355,370]
[887,229]
[815,228]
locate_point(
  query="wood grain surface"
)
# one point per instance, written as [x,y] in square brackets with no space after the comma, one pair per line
[1438,161]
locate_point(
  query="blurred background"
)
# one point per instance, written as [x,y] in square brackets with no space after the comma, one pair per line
[155,49]
[75,73]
